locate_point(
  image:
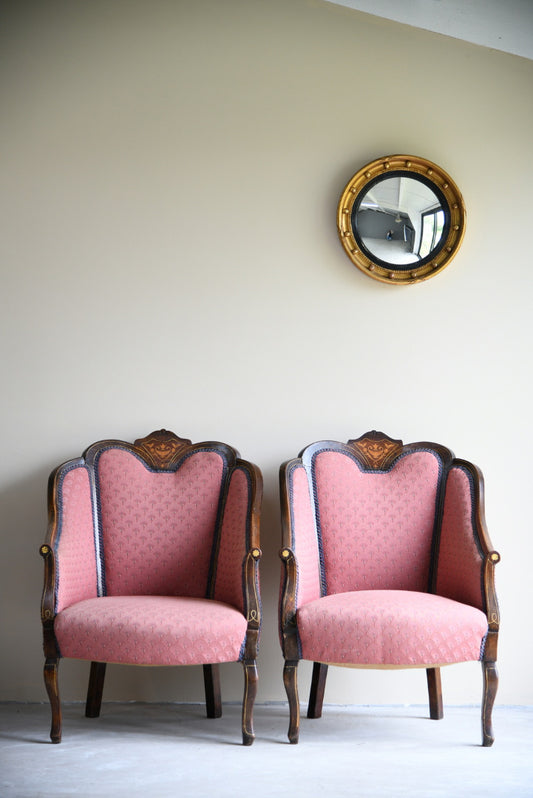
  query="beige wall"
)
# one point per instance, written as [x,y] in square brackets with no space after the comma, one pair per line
[170,174]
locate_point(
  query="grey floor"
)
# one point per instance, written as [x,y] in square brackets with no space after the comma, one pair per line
[162,750]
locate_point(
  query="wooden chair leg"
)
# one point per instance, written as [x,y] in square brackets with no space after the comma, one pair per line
[213,701]
[250,692]
[50,679]
[290,680]
[95,690]
[490,687]
[436,711]
[318,685]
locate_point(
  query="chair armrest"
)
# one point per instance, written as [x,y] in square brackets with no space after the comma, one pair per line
[466,558]
[300,556]
[237,561]
[69,550]
[299,535]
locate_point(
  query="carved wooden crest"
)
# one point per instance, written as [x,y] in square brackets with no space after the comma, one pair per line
[161,448]
[376,450]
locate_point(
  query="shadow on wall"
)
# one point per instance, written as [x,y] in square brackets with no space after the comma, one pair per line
[23,528]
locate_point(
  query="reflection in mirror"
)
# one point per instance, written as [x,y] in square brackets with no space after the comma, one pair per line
[401,219]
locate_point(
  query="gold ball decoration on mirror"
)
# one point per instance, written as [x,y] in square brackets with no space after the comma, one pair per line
[401,219]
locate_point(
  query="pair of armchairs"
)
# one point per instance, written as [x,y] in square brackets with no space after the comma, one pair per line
[152,558]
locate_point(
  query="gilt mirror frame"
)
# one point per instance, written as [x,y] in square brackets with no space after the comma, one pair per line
[447,198]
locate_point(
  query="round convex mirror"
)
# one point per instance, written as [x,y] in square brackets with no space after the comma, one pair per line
[401,219]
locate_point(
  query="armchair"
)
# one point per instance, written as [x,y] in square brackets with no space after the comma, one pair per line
[151,558]
[386,563]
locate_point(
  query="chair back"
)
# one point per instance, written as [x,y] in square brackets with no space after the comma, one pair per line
[158,517]
[365,515]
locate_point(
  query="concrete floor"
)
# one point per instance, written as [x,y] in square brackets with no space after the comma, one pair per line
[162,750]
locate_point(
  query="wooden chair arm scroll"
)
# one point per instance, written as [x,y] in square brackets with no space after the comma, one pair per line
[47,601]
[288,604]
[252,601]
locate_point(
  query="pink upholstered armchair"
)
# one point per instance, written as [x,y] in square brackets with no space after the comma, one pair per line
[151,558]
[386,564]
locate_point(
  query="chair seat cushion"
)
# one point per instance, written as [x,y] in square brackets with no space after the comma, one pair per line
[390,628]
[151,630]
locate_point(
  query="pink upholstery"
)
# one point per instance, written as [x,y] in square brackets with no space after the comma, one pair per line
[151,630]
[232,548]
[376,528]
[75,557]
[304,544]
[158,528]
[390,628]
[460,561]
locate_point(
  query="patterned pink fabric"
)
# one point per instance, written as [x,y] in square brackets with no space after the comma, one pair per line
[151,630]
[158,527]
[390,627]
[232,549]
[305,544]
[460,563]
[75,553]
[376,527]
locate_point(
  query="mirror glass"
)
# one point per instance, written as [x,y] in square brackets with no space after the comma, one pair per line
[401,219]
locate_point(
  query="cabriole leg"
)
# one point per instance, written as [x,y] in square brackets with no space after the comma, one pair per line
[436,711]
[95,690]
[490,687]
[318,685]
[50,679]
[290,680]
[250,692]
[213,700]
